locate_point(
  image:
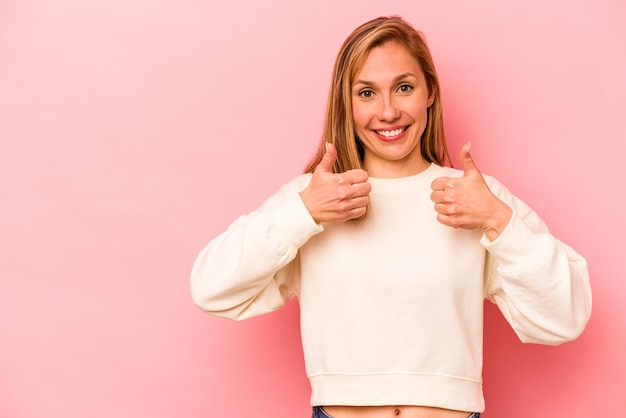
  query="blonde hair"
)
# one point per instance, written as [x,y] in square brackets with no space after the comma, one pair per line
[339,124]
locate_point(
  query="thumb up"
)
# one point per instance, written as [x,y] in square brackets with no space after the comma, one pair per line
[328,161]
[467,202]
[467,163]
[336,197]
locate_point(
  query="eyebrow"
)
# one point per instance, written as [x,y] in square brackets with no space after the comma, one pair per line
[395,79]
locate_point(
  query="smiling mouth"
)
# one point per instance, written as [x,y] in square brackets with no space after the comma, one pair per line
[391,134]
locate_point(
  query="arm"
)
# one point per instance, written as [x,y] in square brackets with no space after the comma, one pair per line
[540,284]
[467,202]
[252,267]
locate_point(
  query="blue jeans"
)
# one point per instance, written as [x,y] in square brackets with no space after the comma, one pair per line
[318,412]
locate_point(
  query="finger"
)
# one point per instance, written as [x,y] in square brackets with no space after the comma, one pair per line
[359,202]
[349,213]
[439,183]
[440,208]
[356,212]
[438,196]
[361,189]
[356,176]
[328,160]
[467,162]
[348,194]
[445,208]
[444,219]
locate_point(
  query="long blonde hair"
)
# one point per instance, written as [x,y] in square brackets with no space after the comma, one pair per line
[339,124]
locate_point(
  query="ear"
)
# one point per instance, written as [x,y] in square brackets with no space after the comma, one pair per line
[432,95]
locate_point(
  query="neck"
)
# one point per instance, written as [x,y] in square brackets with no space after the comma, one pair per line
[393,169]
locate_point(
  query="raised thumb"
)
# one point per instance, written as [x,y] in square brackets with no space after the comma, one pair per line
[328,160]
[467,162]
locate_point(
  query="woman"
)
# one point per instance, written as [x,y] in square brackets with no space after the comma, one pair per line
[390,253]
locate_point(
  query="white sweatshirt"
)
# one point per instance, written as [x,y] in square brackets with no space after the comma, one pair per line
[392,306]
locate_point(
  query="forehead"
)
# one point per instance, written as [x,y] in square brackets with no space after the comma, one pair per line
[387,62]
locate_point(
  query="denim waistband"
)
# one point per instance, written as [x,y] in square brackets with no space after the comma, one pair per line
[318,412]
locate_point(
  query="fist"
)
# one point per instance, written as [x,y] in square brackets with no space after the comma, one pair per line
[336,197]
[467,202]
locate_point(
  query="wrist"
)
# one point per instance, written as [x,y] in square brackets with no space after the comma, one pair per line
[304,198]
[498,222]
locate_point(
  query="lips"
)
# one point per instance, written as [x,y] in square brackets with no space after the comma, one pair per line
[391,134]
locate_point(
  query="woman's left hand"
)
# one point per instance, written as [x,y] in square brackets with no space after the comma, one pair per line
[468,203]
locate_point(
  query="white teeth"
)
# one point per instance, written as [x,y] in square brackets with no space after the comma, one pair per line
[390,134]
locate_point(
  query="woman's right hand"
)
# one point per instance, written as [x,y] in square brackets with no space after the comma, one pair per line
[336,197]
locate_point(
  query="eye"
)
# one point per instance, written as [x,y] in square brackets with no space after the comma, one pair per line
[405,88]
[366,94]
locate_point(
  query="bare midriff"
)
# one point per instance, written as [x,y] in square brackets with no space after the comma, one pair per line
[393,412]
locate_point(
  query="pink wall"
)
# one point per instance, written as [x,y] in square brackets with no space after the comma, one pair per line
[131,132]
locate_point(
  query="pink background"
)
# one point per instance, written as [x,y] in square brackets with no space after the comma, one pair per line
[132,132]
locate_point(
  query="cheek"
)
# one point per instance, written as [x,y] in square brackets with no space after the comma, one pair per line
[359,117]
[419,110]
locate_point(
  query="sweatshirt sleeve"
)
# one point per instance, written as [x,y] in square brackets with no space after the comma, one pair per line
[540,284]
[252,267]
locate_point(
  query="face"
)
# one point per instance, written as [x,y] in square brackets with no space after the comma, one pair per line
[390,100]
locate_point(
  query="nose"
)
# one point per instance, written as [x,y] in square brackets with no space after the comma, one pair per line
[388,110]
